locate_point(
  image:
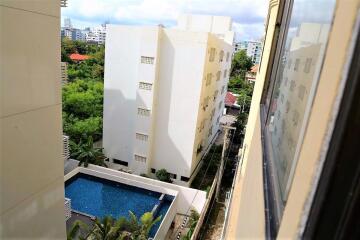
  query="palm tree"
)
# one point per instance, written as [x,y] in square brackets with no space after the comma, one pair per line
[107,228]
[147,222]
[77,230]
[86,153]
[110,229]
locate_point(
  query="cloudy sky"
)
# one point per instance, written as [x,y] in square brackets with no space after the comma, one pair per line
[248,15]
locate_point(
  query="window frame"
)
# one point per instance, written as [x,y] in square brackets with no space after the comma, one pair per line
[274,201]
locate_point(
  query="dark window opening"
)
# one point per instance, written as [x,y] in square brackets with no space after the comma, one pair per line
[184,179]
[117,161]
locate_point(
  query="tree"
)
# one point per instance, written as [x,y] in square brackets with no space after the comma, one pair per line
[121,229]
[241,63]
[163,175]
[193,220]
[82,110]
[86,153]
[107,228]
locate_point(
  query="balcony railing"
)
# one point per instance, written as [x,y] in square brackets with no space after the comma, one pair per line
[67,208]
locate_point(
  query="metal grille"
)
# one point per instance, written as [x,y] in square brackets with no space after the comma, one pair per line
[63,3]
[67,208]
[66,151]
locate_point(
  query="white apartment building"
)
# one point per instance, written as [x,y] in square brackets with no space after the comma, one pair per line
[97,34]
[164,93]
[252,48]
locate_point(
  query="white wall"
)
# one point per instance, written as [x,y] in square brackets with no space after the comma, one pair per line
[181,64]
[180,79]
[31,162]
[120,84]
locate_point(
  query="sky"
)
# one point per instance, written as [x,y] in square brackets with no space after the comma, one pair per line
[248,15]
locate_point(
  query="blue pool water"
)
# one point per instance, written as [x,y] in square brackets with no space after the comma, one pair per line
[100,197]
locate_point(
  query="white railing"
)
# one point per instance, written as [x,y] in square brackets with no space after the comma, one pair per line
[64,75]
[67,208]
[66,151]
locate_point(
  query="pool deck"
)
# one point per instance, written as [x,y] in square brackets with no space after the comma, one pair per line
[78,216]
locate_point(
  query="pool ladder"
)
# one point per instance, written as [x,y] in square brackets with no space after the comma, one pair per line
[156,208]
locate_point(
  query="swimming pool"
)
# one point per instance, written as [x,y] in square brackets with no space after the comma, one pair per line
[100,197]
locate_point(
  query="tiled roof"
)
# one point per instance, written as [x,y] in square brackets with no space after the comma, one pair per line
[78,57]
[230,99]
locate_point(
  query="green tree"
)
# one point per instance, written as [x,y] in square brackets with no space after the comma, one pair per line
[241,63]
[86,153]
[163,175]
[110,229]
[193,220]
[82,110]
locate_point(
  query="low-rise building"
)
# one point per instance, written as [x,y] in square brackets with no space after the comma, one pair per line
[164,93]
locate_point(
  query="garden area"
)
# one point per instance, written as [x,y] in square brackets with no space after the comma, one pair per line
[82,99]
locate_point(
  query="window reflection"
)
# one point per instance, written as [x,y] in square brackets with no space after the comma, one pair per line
[297,75]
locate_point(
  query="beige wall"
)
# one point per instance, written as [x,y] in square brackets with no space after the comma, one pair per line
[31,165]
[247,208]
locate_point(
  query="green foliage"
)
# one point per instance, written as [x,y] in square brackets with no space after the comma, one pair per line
[86,153]
[82,110]
[241,63]
[163,175]
[144,175]
[110,229]
[193,220]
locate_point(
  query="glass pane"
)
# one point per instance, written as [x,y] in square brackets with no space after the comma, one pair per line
[295,82]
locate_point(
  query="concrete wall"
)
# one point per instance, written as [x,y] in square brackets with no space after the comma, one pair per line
[31,169]
[247,212]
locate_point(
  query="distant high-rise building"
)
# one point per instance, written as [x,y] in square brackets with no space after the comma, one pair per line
[164,93]
[252,48]
[67,23]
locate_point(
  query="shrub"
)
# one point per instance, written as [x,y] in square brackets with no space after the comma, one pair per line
[163,175]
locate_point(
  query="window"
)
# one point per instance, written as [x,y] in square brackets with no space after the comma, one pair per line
[220,104]
[143,112]
[218,75]
[205,103]
[212,55]
[142,137]
[208,79]
[172,175]
[215,95]
[288,99]
[117,161]
[221,56]
[227,56]
[218,120]
[184,179]
[225,73]
[147,60]
[145,86]
[139,158]
[307,65]
[301,92]
[202,125]
[153,170]
[297,63]
[222,89]
[212,114]
[210,131]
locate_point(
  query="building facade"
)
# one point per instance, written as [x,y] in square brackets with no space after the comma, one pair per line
[298,144]
[31,162]
[164,93]
[252,48]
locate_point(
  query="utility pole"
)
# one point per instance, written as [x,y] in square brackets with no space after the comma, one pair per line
[221,170]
